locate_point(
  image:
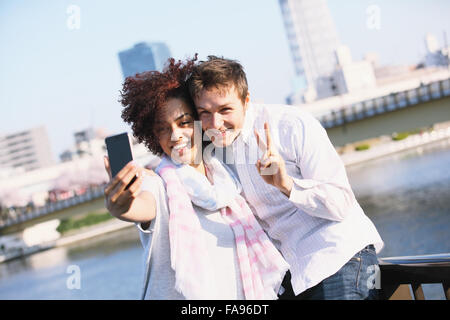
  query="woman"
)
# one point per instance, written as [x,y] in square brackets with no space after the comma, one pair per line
[200,238]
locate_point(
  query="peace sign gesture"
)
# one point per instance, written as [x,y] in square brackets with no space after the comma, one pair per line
[271,166]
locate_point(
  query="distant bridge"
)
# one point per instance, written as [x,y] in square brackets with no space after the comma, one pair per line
[397,112]
[91,201]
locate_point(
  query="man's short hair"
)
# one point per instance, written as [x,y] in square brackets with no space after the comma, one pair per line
[218,73]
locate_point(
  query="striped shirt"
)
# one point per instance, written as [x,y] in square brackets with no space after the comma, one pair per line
[321,225]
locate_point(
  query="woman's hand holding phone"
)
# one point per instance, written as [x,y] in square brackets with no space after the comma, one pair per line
[129,204]
[118,198]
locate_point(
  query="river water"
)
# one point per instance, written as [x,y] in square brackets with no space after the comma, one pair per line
[406,195]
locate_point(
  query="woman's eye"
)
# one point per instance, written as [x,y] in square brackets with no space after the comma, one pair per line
[162,130]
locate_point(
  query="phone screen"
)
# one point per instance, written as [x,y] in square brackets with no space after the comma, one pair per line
[119,153]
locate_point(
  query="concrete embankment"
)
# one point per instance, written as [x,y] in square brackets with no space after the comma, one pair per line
[387,148]
[71,237]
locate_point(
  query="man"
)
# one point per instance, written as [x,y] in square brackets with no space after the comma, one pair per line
[295,182]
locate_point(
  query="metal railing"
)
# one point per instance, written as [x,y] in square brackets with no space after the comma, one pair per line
[396,100]
[401,275]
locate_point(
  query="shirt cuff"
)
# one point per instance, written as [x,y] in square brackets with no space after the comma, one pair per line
[296,191]
[298,196]
[306,183]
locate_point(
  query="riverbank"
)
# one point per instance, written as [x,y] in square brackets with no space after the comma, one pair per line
[69,238]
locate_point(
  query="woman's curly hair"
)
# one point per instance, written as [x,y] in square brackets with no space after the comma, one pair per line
[144,95]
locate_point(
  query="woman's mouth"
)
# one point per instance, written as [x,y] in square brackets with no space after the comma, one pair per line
[181,148]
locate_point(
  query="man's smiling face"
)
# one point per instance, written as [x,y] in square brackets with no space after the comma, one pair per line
[222,113]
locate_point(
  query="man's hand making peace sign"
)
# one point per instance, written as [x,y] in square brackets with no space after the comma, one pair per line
[271,166]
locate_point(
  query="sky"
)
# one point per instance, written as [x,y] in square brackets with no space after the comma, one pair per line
[67,76]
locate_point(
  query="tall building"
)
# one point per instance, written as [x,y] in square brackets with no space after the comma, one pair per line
[142,57]
[313,41]
[28,149]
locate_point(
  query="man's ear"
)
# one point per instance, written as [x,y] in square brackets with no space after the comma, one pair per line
[247,101]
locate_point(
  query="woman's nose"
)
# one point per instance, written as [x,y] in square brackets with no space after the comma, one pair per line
[176,135]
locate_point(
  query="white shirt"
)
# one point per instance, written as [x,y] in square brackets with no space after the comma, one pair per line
[321,225]
[220,245]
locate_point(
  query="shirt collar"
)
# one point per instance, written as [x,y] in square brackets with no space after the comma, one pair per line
[247,128]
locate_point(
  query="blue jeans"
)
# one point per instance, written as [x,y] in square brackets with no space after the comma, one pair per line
[354,281]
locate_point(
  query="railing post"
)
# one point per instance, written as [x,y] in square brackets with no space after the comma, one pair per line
[418,291]
[446,287]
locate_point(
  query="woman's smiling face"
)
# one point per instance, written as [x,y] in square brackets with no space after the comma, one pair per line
[175,131]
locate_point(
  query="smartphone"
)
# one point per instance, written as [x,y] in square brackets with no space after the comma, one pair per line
[119,153]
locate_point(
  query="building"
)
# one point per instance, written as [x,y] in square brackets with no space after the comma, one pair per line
[352,76]
[324,68]
[142,57]
[26,150]
[88,142]
[436,55]
[313,40]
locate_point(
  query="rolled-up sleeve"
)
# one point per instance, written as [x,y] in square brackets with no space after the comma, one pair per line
[323,190]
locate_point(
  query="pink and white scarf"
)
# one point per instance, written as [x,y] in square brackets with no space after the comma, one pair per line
[261,265]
